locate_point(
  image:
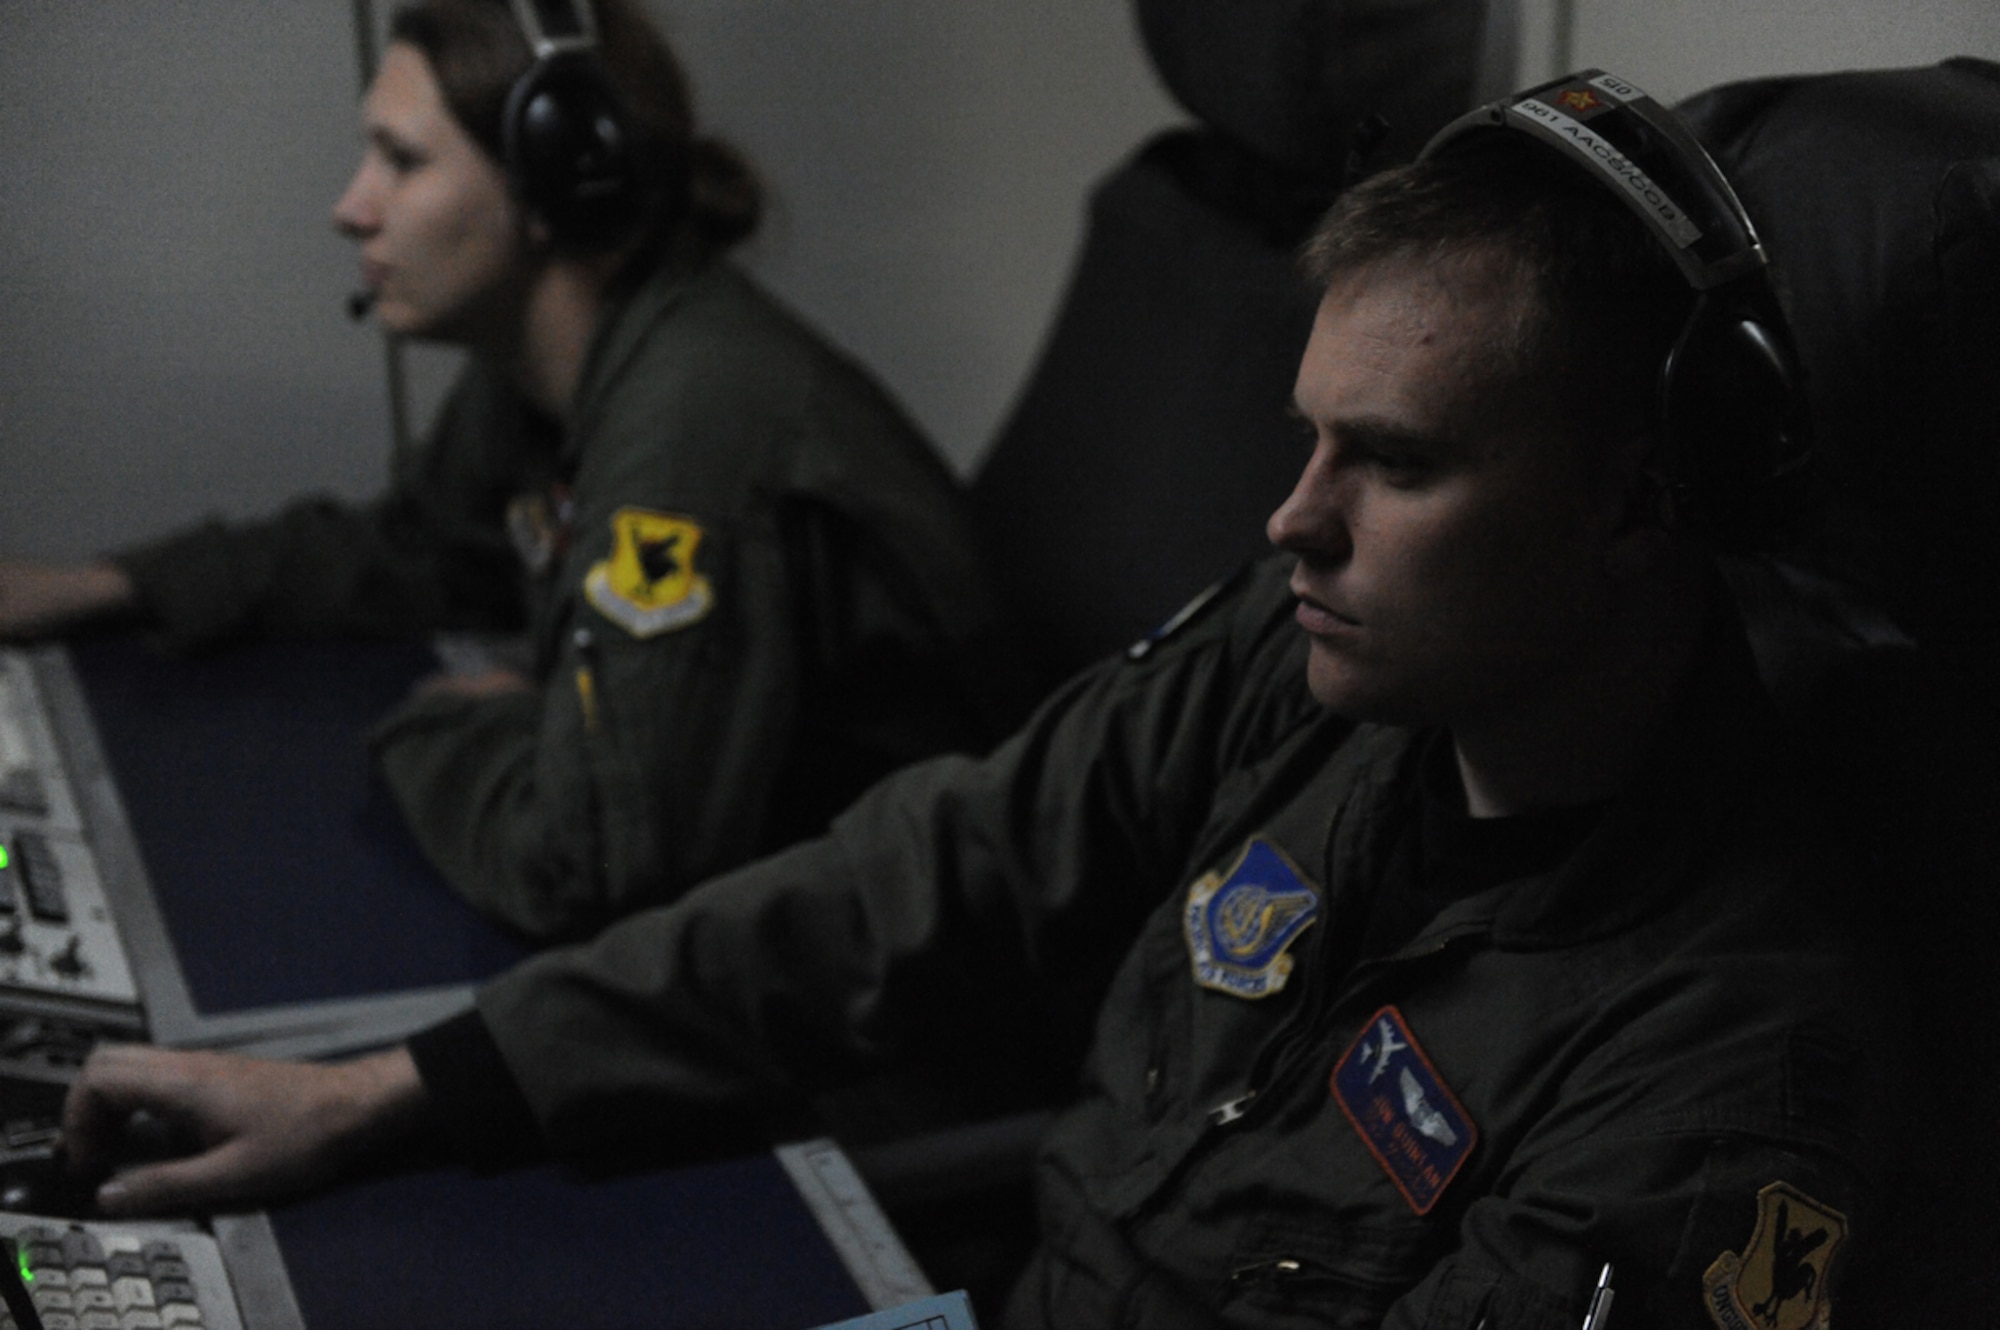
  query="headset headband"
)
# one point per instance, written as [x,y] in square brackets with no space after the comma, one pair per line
[573,30]
[1737,436]
[1645,155]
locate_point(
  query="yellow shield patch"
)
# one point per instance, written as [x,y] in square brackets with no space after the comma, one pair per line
[650,584]
[1778,1282]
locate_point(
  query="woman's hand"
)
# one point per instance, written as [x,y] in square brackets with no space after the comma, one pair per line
[494,682]
[257,1129]
[44,600]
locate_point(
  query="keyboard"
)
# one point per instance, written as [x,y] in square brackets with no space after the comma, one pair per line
[100,1275]
[65,983]
[60,950]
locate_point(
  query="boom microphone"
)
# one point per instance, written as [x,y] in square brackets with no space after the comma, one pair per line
[359,303]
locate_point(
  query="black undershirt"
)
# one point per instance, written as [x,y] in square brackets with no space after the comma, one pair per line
[1440,853]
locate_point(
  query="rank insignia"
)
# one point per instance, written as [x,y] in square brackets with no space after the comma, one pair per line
[1407,1116]
[1778,1282]
[1239,924]
[1580,100]
[649,584]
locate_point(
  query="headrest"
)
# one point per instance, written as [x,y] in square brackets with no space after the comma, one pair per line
[1877,194]
[1291,79]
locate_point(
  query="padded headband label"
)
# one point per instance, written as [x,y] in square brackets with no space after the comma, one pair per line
[1668,217]
[1616,87]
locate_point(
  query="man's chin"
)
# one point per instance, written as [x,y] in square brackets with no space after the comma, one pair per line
[1346,691]
[1335,687]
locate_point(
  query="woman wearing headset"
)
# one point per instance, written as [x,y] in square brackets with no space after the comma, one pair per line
[747,580]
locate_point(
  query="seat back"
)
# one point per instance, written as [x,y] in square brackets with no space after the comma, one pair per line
[1878,196]
[1152,437]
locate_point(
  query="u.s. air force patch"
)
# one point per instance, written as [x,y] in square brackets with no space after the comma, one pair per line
[1778,1282]
[1239,923]
[649,583]
[1407,1116]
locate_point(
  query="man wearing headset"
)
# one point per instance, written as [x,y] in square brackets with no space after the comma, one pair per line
[1420,965]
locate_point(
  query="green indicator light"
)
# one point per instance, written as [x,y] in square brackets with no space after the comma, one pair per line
[4,860]
[27,1275]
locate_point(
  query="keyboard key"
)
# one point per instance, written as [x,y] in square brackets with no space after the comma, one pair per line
[22,789]
[81,1247]
[42,875]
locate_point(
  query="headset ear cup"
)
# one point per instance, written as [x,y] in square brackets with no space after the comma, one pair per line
[569,153]
[1738,441]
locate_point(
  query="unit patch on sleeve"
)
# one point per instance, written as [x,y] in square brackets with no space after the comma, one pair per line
[1778,1282]
[649,584]
[1407,1116]
[1239,923]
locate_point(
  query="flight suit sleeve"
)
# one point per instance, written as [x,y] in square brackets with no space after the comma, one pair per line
[960,904]
[645,758]
[670,685]
[431,552]
[711,605]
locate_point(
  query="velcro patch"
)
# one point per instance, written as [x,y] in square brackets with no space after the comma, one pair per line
[1407,1116]
[1239,923]
[649,584]
[1778,1282]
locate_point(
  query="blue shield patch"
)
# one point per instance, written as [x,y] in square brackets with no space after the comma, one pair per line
[1407,1116]
[1239,923]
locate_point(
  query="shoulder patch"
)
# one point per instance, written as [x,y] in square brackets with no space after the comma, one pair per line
[1407,1116]
[1778,1281]
[649,584]
[1239,923]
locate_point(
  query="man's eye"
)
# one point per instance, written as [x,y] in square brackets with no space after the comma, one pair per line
[1305,431]
[1402,469]
[401,160]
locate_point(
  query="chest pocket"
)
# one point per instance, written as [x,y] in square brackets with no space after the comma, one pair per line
[1311,1269]
[1228,969]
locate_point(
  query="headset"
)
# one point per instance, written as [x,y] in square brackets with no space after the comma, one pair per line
[570,149]
[1738,443]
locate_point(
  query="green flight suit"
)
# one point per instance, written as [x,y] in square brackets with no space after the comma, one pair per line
[750,586]
[1636,1057]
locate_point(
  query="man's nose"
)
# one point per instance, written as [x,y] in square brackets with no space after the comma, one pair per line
[1313,517]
